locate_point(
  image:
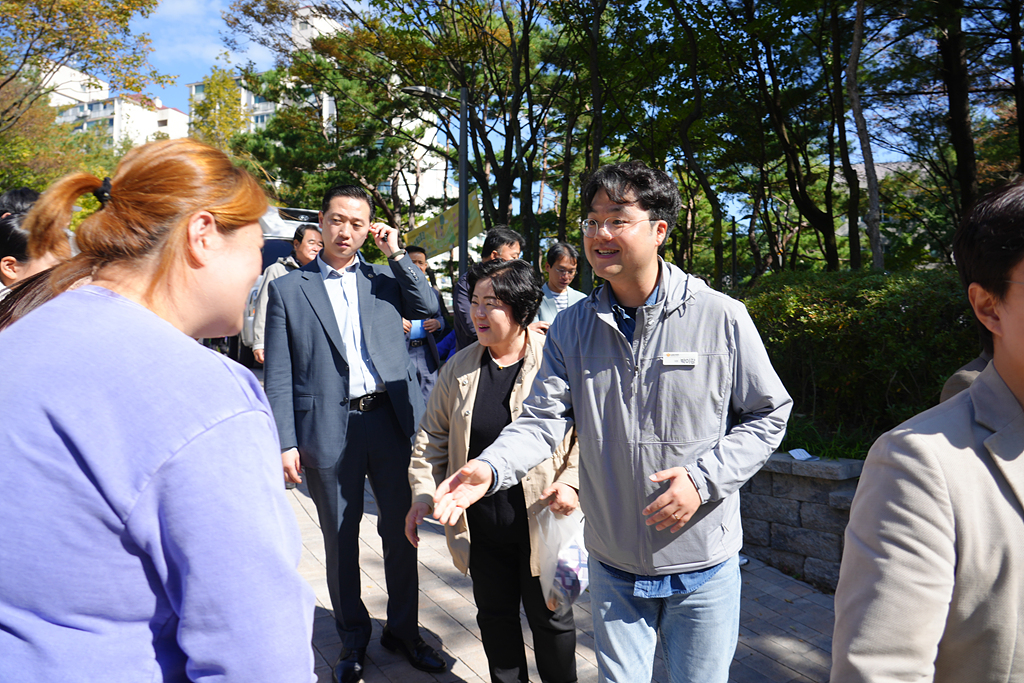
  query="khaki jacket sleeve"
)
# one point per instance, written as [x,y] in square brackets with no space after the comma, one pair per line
[428,466]
[567,461]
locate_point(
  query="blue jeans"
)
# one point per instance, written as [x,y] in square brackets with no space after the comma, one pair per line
[698,630]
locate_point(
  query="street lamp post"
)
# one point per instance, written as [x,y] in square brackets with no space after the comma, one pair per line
[434,94]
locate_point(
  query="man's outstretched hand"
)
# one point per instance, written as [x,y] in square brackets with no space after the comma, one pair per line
[459,491]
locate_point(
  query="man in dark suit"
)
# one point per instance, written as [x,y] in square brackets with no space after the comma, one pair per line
[420,334]
[346,402]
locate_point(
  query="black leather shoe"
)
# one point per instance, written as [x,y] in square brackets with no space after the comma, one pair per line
[349,668]
[419,654]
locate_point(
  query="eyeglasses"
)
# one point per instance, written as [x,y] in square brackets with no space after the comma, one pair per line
[614,226]
[563,271]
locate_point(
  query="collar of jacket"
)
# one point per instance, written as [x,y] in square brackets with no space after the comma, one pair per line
[997,409]
[469,359]
[677,287]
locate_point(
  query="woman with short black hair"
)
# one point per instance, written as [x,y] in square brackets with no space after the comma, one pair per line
[479,392]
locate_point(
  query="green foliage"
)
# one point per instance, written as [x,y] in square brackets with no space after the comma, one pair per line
[217,114]
[742,102]
[93,36]
[861,353]
[35,151]
[804,432]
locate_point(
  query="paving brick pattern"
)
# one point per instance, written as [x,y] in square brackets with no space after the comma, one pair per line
[785,625]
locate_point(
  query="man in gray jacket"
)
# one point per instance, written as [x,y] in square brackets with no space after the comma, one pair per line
[676,406]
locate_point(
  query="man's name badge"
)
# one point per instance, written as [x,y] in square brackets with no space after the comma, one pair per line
[684,358]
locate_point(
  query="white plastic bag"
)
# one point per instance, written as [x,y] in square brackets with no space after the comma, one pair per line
[563,558]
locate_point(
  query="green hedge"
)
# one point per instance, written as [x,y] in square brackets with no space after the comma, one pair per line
[861,352]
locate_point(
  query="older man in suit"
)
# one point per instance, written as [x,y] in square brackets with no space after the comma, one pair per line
[346,402]
[932,581]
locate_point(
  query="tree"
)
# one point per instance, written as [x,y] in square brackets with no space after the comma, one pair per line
[217,112]
[333,130]
[38,37]
[873,214]
[36,150]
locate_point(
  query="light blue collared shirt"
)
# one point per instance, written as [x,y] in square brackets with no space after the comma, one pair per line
[341,290]
[417,331]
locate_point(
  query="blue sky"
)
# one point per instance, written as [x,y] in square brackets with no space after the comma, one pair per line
[186,43]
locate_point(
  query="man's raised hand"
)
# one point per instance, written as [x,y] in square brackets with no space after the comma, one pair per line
[459,491]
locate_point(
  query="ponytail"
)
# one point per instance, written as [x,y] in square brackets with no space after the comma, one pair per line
[144,210]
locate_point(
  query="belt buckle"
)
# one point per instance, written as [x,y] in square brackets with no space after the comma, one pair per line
[366,402]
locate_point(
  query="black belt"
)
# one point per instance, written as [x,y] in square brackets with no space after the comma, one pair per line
[365,404]
[414,343]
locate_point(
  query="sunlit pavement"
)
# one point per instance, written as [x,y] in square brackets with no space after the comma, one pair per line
[785,630]
[785,625]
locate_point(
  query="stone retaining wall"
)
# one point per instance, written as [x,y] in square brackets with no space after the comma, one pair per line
[794,515]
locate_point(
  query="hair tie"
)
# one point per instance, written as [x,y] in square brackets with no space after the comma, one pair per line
[102,193]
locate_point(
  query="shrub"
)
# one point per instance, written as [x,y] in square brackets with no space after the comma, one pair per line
[861,352]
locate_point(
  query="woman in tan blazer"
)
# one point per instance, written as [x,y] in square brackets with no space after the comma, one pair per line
[478,392]
[932,581]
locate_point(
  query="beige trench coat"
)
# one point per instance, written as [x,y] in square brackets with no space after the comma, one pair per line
[442,443]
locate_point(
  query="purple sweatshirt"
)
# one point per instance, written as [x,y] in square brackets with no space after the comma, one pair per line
[144,530]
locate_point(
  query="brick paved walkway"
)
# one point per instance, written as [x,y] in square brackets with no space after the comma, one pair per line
[785,629]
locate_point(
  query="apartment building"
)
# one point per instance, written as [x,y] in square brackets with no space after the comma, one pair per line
[85,103]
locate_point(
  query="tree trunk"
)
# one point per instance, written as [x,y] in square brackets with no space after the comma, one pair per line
[852,182]
[567,157]
[597,125]
[1014,10]
[874,212]
[952,48]
[692,162]
[798,182]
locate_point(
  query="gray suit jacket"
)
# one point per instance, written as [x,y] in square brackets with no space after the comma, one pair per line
[548,310]
[306,373]
[932,579]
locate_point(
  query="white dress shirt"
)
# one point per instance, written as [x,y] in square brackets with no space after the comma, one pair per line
[341,290]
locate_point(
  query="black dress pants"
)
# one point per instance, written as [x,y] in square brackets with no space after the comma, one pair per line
[376,448]
[501,580]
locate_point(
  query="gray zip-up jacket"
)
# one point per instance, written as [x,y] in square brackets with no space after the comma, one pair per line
[696,389]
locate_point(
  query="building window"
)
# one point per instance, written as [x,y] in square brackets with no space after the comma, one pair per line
[303,25]
[198,89]
[162,123]
[385,188]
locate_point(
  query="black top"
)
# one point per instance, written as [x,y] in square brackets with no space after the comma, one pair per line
[503,513]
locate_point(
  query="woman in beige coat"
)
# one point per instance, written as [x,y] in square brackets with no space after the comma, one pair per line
[499,369]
